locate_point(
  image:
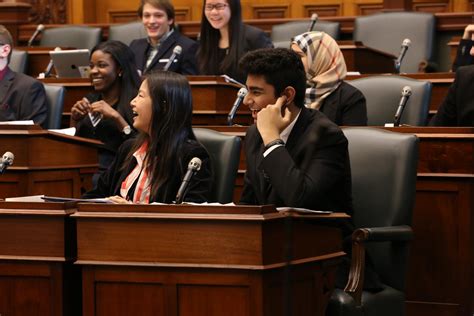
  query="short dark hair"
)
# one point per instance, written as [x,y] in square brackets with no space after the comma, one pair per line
[164,5]
[6,39]
[280,67]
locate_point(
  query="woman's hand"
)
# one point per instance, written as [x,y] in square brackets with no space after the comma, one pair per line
[80,109]
[117,199]
[105,109]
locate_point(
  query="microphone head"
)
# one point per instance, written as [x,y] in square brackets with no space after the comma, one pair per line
[177,50]
[40,27]
[314,16]
[242,92]
[195,164]
[8,158]
[406,42]
[406,91]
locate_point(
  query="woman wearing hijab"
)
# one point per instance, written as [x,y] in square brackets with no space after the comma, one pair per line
[326,89]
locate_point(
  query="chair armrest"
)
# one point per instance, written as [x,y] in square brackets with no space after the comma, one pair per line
[355,283]
[390,233]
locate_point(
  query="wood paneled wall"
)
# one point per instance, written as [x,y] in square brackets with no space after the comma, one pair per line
[117,11]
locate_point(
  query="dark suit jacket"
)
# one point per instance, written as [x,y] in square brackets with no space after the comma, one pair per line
[312,170]
[463,56]
[346,106]
[186,62]
[22,98]
[457,108]
[198,190]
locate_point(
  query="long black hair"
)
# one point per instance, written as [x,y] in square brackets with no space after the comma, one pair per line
[209,42]
[170,128]
[129,80]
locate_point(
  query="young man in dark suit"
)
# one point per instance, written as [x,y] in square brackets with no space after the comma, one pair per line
[154,52]
[457,108]
[295,156]
[21,97]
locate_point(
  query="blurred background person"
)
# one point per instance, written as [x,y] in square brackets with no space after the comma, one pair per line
[106,114]
[326,89]
[465,52]
[457,108]
[150,167]
[225,38]
[153,52]
[21,97]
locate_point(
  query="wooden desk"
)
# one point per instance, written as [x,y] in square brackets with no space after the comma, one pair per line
[47,162]
[366,60]
[212,99]
[439,278]
[204,260]
[37,251]
[358,58]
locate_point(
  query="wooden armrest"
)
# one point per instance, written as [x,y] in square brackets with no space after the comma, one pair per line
[355,283]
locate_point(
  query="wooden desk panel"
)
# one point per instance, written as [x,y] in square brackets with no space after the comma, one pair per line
[47,162]
[204,260]
[37,248]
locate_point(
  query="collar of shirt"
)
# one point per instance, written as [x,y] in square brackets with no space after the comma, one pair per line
[3,73]
[286,132]
[161,40]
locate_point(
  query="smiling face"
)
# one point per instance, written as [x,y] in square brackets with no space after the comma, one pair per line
[104,71]
[217,13]
[156,22]
[142,109]
[260,94]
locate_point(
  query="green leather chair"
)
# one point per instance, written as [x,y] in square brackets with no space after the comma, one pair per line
[383,166]
[224,151]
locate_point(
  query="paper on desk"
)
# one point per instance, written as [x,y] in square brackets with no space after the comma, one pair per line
[65,199]
[301,210]
[27,122]
[71,131]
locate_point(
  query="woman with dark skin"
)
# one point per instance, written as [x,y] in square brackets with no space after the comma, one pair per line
[150,167]
[105,114]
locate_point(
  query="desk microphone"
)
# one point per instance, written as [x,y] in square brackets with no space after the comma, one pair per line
[177,50]
[398,62]
[240,97]
[7,160]
[193,167]
[314,19]
[38,30]
[406,93]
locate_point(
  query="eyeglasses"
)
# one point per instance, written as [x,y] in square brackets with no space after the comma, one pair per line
[217,6]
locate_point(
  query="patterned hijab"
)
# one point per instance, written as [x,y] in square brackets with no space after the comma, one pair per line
[326,66]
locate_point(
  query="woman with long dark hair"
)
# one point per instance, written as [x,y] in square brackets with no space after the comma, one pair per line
[151,167]
[224,38]
[106,114]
